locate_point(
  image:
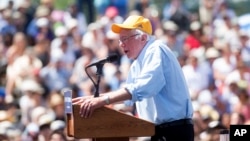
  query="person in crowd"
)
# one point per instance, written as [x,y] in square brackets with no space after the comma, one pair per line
[227,60]
[79,78]
[56,104]
[245,47]
[206,11]
[239,75]
[7,26]
[94,38]
[176,11]
[194,38]
[41,49]
[16,50]
[237,119]
[196,77]
[57,136]
[223,9]
[142,5]
[74,13]
[243,106]
[170,36]
[42,11]
[55,71]
[167,102]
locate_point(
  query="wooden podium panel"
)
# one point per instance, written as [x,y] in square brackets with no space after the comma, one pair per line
[107,123]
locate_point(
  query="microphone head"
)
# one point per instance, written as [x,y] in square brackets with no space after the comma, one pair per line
[109,59]
[112,58]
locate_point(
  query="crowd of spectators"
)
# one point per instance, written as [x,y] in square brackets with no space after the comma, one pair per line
[44,50]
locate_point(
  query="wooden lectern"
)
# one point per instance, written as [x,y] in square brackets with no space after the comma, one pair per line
[105,124]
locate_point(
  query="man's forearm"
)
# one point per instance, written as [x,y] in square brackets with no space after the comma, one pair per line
[117,96]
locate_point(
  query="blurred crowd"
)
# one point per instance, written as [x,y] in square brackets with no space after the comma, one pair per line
[44,50]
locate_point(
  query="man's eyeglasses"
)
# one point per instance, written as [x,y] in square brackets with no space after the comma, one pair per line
[123,40]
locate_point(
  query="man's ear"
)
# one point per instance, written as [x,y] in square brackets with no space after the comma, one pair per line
[144,38]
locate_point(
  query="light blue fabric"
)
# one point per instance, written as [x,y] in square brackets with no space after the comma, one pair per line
[157,85]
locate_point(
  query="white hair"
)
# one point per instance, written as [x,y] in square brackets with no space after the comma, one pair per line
[140,32]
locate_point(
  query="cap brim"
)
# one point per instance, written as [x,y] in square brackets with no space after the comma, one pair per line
[116,28]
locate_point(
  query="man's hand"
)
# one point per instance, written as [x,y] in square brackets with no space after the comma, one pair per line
[79,100]
[88,104]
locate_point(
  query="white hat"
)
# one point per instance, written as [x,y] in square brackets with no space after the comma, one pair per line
[212,53]
[170,25]
[45,119]
[195,25]
[243,33]
[207,111]
[56,99]
[111,35]
[42,22]
[94,26]
[61,31]
[71,23]
[196,105]
[17,15]
[37,112]
[32,127]
[4,125]
[3,115]
[205,97]
[3,5]
[42,11]
[31,85]
[57,125]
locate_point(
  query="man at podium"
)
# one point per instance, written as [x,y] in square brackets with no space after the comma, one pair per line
[155,83]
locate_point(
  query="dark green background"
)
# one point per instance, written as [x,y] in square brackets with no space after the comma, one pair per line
[240,6]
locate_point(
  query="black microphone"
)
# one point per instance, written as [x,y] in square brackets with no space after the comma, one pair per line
[109,59]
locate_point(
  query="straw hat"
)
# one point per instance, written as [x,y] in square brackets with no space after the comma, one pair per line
[42,11]
[212,53]
[170,25]
[31,85]
[57,125]
[42,22]
[195,25]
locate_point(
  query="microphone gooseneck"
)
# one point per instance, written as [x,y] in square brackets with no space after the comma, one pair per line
[99,65]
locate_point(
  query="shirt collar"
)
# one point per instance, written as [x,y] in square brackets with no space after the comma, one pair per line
[142,53]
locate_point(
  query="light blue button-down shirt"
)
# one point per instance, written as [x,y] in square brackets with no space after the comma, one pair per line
[157,85]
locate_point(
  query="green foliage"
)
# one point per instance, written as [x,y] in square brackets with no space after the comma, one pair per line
[63,4]
[240,6]
[59,4]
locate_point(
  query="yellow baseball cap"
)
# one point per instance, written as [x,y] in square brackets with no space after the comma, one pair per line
[134,22]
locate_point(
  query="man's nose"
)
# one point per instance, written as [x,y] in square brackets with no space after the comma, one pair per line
[122,45]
